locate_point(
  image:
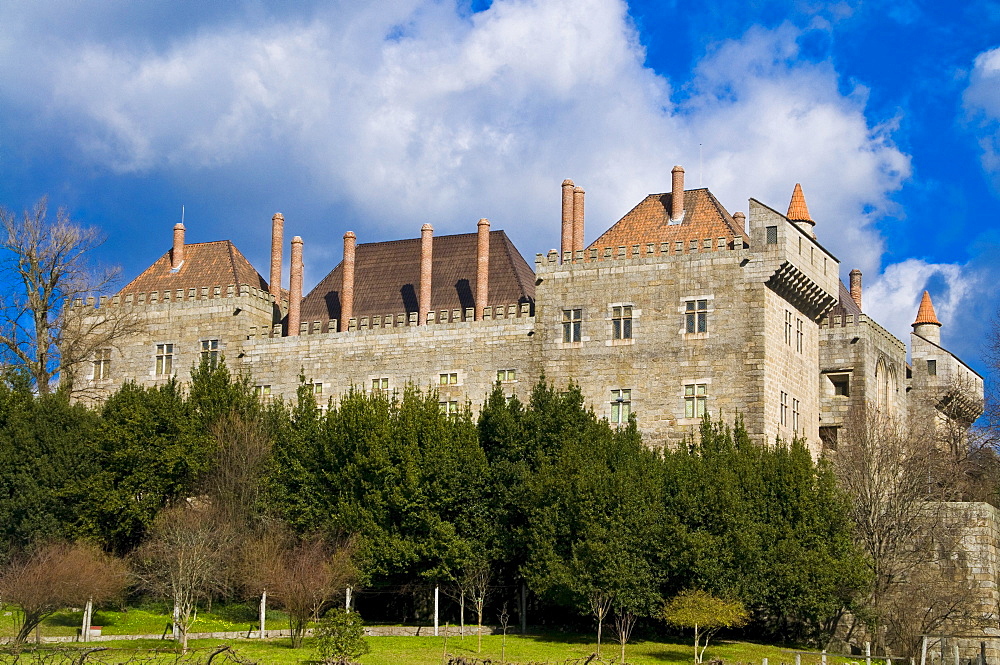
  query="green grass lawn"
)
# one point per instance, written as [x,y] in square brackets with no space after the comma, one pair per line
[550,648]
[147,620]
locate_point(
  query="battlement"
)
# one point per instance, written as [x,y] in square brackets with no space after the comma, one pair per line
[850,321]
[642,251]
[176,296]
[402,320]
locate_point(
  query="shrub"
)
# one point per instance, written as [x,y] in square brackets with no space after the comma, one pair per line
[340,636]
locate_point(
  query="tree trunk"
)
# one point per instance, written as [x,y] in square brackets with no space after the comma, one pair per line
[697,658]
[599,623]
[461,615]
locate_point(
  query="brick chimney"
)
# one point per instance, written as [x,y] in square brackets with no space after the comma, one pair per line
[677,195]
[277,238]
[567,218]
[856,287]
[426,265]
[295,288]
[482,266]
[347,282]
[578,194]
[741,220]
[177,252]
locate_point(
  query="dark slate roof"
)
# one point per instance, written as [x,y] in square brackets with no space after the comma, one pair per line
[216,263]
[387,278]
[846,305]
[649,221]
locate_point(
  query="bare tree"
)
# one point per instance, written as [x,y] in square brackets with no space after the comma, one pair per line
[57,575]
[476,580]
[236,482]
[307,578]
[184,559]
[258,560]
[600,605]
[625,619]
[898,481]
[40,330]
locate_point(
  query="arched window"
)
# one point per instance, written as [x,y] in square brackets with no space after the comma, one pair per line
[881,384]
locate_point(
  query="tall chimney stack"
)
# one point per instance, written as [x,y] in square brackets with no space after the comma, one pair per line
[482,266]
[426,265]
[677,195]
[177,252]
[567,218]
[347,282]
[277,238]
[295,288]
[578,194]
[856,287]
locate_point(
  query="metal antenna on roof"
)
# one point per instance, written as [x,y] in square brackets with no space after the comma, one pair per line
[182,213]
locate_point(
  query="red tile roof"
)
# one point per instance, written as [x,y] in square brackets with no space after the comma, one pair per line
[926,312]
[209,264]
[798,211]
[649,222]
[387,278]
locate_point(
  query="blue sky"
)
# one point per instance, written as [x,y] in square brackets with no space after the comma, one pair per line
[380,118]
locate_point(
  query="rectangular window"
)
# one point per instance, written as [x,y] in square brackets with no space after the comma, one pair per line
[102,364]
[164,359]
[317,389]
[772,235]
[841,384]
[506,375]
[695,397]
[783,411]
[696,316]
[621,405]
[621,322]
[262,391]
[799,334]
[932,368]
[210,351]
[572,319]
[448,379]
[449,408]
[788,328]
[381,383]
[795,415]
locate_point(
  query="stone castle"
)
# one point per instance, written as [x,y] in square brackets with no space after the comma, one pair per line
[678,309]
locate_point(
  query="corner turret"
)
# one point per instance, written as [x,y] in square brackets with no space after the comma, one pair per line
[926,324]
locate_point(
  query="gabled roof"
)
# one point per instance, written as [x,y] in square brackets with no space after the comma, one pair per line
[387,278]
[704,217]
[216,263]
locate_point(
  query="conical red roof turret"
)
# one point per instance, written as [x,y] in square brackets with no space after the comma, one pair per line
[926,312]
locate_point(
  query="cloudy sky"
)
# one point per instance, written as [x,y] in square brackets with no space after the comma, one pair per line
[378,118]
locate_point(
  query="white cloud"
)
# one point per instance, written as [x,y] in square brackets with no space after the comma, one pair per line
[982,102]
[894,296]
[412,112]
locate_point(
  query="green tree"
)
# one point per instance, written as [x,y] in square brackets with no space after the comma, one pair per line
[150,452]
[704,613]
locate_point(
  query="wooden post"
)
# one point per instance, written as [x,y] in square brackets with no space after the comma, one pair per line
[923,650]
[954,648]
[436,594]
[263,614]
[798,659]
[868,653]
[88,612]
[822,658]
[982,653]
[347,600]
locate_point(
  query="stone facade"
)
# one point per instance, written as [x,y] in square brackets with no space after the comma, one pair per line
[689,312]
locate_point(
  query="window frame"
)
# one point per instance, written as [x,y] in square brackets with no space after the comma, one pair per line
[621,406]
[209,348]
[102,365]
[696,311]
[164,359]
[621,322]
[695,399]
[572,325]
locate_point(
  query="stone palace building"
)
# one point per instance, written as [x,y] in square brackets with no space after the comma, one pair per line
[678,309]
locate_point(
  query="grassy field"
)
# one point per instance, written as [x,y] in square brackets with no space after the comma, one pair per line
[146,620]
[547,648]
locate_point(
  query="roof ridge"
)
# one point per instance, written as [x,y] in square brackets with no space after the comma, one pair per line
[507,245]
